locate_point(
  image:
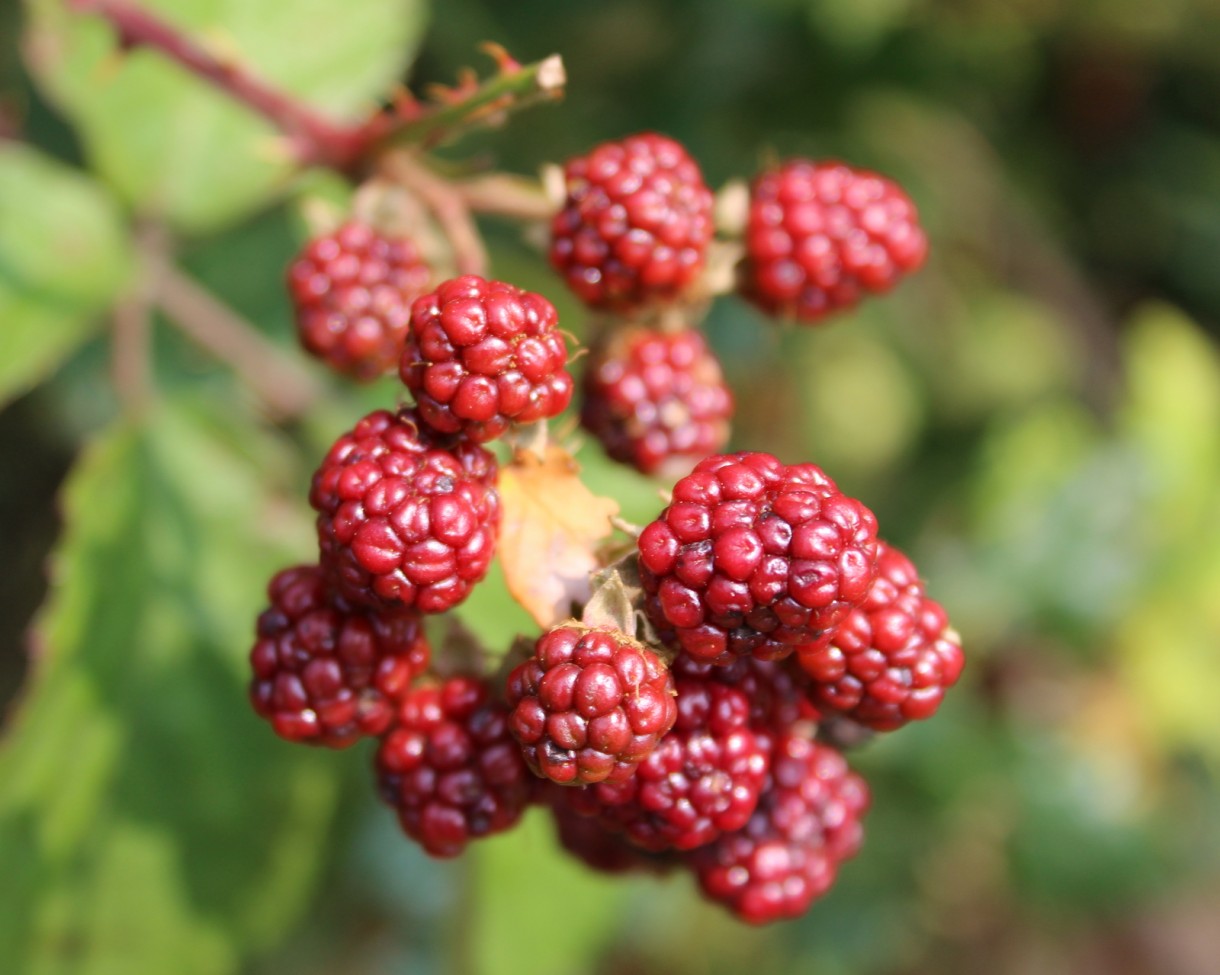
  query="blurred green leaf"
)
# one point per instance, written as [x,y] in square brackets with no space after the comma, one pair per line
[174,146]
[150,820]
[64,257]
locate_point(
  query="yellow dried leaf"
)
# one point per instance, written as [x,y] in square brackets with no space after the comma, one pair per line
[549,532]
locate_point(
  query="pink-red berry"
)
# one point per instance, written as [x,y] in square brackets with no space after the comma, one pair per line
[656,400]
[590,704]
[482,355]
[703,779]
[788,855]
[351,292]
[892,658]
[753,556]
[406,518]
[451,769]
[820,235]
[326,673]
[636,223]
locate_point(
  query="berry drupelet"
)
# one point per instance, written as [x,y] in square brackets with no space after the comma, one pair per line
[406,518]
[482,355]
[636,223]
[820,235]
[753,556]
[326,673]
[351,292]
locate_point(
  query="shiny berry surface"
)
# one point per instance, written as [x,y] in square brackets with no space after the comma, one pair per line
[635,225]
[482,355]
[351,293]
[405,518]
[325,673]
[450,768]
[655,400]
[589,705]
[821,235]
[892,659]
[756,557]
[807,823]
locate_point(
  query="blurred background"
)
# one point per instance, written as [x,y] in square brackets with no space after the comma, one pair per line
[1035,417]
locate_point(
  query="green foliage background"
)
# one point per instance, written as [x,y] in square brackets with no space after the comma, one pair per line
[1035,417]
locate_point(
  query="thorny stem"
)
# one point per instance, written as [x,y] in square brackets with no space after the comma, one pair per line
[446,204]
[317,140]
[286,389]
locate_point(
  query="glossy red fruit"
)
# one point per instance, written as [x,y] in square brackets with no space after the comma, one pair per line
[590,704]
[327,673]
[482,355]
[351,293]
[636,223]
[656,400]
[892,659]
[451,769]
[821,235]
[756,557]
[807,823]
[406,518]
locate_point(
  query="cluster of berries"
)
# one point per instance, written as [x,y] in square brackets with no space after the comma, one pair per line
[687,742]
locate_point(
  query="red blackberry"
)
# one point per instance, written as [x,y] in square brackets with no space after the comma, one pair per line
[451,769]
[325,673]
[755,557]
[821,234]
[483,354]
[589,705]
[788,854]
[351,292]
[656,400]
[636,223]
[775,690]
[892,658]
[405,518]
[703,779]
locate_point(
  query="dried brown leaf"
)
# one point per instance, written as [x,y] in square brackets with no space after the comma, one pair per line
[550,530]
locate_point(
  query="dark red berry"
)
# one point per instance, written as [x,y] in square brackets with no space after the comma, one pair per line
[703,779]
[636,223]
[326,673]
[656,400]
[891,660]
[482,355]
[590,704]
[405,517]
[774,688]
[821,235]
[451,769]
[806,824]
[755,557]
[351,292]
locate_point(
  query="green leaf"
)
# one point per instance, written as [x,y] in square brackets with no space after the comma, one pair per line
[64,257]
[149,822]
[173,145]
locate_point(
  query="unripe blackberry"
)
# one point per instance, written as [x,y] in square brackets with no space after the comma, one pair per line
[351,292]
[406,518]
[891,660]
[589,705]
[482,355]
[636,223]
[753,556]
[806,824]
[821,234]
[592,844]
[656,400]
[451,769]
[703,779]
[774,688]
[326,673]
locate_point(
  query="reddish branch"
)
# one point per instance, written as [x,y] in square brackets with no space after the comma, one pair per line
[317,140]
